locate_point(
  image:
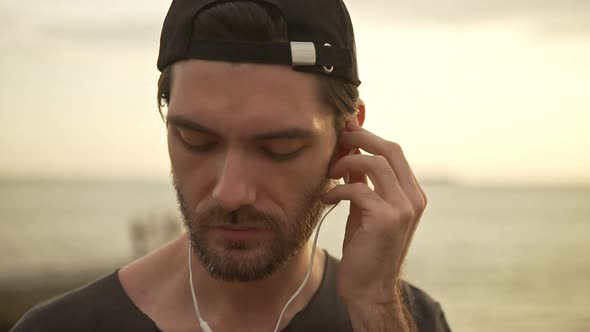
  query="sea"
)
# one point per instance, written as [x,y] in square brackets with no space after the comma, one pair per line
[495,258]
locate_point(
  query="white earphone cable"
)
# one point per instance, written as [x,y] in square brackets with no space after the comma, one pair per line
[203,324]
[313,248]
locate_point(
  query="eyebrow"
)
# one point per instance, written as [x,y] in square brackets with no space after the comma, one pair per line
[287,133]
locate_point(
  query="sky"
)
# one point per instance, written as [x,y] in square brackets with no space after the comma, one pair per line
[489,91]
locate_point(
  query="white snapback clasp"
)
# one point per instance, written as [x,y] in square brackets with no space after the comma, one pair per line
[303,54]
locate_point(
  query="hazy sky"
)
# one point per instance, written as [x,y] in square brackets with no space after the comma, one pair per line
[482,91]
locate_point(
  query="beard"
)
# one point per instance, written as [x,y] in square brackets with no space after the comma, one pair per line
[250,260]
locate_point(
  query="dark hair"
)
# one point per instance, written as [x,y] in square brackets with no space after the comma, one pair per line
[249,20]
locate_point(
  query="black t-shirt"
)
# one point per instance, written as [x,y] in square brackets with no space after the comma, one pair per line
[103,305]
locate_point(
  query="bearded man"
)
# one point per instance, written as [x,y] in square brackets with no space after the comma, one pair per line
[263,119]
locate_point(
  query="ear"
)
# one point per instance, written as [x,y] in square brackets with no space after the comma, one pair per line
[360,116]
[359,119]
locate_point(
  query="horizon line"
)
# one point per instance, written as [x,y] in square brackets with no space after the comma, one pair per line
[443,181]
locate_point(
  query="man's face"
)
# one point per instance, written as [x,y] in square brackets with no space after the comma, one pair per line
[249,147]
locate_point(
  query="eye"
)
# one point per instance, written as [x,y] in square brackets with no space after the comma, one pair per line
[282,149]
[281,156]
[195,140]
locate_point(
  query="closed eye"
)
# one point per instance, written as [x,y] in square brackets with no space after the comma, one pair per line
[283,149]
[195,140]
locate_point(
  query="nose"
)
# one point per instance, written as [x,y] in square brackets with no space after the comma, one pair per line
[234,188]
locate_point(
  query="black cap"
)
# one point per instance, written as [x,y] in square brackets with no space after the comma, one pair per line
[321,39]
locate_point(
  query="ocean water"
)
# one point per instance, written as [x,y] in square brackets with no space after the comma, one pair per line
[497,259]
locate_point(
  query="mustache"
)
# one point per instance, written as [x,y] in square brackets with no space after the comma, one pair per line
[248,216]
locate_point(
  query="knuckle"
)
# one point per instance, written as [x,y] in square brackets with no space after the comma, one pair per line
[406,213]
[394,150]
[381,159]
[421,207]
[398,219]
[393,146]
[382,162]
[419,204]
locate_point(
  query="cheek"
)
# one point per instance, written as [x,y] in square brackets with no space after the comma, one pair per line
[285,185]
[192,174]
[180,159]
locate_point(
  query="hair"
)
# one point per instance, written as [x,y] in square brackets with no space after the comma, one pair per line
[254,21]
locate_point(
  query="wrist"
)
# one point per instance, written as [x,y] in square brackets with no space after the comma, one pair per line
[381,309]
[382,317]
[384,296]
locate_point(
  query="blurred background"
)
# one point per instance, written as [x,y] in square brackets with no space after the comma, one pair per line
[489,99]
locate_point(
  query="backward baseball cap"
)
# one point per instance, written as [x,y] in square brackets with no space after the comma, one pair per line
[320,32]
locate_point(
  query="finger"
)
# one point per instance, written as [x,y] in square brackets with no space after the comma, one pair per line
[355,137]
[362,198]
[378,148]
[357,176]
[417,198]
[385,220]
[357,193]
[378,170]
[412,230]
[376,145]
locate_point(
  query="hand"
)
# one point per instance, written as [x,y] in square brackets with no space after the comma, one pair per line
[381,222]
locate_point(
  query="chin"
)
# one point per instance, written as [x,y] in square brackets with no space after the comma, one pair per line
[243,261]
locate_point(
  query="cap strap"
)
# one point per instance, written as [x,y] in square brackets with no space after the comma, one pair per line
[293,53]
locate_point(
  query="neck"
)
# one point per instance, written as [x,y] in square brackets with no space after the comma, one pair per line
[218,299]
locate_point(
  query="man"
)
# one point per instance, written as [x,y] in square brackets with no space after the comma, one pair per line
[263,119]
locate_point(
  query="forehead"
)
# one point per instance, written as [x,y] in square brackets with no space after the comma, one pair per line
[233,97]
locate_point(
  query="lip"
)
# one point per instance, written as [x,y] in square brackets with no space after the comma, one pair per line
[237,233]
